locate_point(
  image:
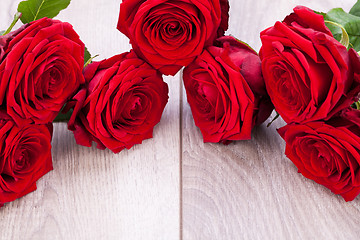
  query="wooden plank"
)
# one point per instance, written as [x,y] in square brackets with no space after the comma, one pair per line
[93,194]
[249,189]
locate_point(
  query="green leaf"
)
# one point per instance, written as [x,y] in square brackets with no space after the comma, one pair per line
[351,24]
[87,55]
[90,60]
[355,10]
[35,9]
[63,117]
[320,13]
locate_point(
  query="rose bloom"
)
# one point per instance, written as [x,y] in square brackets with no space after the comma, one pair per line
[121,103]
[25,156]
[226,91]
[169,34]
[328,152]
[40,68]
[308,74]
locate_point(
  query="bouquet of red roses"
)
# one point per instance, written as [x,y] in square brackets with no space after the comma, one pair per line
[313,79]
[47,75]
[308,69]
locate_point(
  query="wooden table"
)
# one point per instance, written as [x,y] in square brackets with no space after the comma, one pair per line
[174,186]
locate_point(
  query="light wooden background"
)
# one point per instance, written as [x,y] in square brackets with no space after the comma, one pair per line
[174,186]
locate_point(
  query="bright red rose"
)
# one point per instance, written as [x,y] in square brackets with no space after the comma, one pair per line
[328,152]
[170,34]
[226,91]
[40,68]
[308,74]
[25,156]
[122,101]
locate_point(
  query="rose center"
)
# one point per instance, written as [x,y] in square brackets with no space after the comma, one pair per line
[286,88]
[173,29]
[21,160]
[49,84]
[136,106]
[54,78]
[170,26]
[130,110]
[324,163]
[206,97]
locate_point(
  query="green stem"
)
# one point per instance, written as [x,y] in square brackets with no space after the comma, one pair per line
[344,36]
[17,16]
[90,60]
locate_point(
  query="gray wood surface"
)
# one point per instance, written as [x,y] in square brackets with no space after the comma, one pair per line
[174,186]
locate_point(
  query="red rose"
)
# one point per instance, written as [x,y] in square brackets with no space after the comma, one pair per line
[308,74]
[226,91]
[25,156]
[170,34]
[122,102]
[328,152]
[40,68]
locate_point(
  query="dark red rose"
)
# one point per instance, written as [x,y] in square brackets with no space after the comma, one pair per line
[121,103]
[226,91]
[308,74]
[170,34]
[40,68]
[328,152]
[25,156]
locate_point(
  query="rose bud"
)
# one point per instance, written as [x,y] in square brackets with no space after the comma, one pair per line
[122,101]
[226,91]
[328,152]
[308,73]
[25,157]
[170,34]
[40,68]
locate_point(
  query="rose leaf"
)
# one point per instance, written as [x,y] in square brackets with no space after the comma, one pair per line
[350,23]
[87,55]
[355,10]
[35,9]
[63,117]
[88,58]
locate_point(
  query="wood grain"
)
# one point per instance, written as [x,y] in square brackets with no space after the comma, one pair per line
[249,189]
[93,194]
